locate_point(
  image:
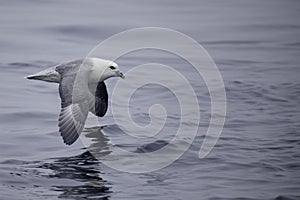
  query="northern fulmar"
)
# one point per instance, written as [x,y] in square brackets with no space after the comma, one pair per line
[81,89]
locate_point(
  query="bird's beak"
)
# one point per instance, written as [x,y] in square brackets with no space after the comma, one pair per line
[121,75]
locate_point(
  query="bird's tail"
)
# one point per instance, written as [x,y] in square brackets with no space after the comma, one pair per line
[48,75]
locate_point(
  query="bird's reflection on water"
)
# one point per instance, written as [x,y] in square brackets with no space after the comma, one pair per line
[98,145]
[83,169]
[80,176]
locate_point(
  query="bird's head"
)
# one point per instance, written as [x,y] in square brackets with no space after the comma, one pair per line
[103,69]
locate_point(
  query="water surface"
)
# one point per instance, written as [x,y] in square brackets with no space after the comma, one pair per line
[256,45]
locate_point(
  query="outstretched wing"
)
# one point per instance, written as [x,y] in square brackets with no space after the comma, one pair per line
[99,102]
[74,108]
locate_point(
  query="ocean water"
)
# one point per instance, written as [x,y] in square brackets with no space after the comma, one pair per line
[256,46]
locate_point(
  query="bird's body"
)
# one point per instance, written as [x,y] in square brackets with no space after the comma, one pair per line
[81,89]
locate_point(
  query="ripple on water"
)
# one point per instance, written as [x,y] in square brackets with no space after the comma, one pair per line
[77,177]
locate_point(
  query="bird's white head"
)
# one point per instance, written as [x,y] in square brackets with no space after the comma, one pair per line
[103,69]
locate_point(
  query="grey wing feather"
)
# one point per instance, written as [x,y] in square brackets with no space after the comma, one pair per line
[74,107]
[71,121]
[69,68]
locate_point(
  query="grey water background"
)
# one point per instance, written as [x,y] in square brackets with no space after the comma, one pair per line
[256,45]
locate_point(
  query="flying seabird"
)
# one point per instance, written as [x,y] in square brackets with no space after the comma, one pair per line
[81,89]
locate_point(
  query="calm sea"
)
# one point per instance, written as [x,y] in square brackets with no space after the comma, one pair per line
[256,46]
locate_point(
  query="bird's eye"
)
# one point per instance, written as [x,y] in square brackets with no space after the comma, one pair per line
[112,67]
